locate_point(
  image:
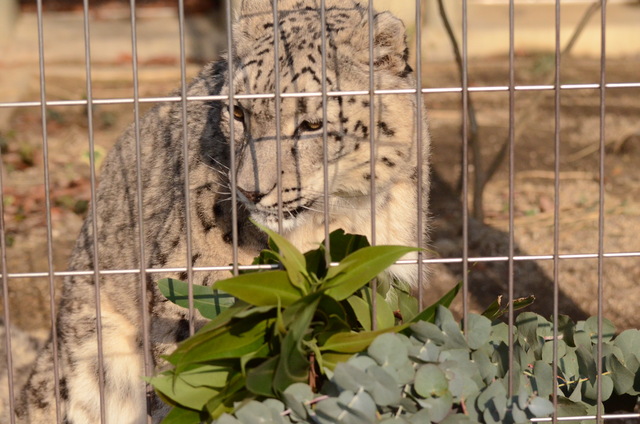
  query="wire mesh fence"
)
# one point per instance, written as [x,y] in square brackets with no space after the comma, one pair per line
[467,260]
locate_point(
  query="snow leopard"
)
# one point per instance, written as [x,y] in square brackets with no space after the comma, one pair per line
[298,188]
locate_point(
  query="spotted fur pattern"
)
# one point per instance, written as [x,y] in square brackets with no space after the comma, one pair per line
[348,132]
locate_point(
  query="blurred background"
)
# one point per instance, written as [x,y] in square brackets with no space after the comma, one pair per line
[158,43]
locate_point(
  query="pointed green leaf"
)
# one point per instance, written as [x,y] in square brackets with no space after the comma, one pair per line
[429,314]
[261,288]
[360,267]
[331,359]
[233,392]
[293,366]
[356,342]
[260,378]
[182,393]
[292,260]
[205,300]
[214,376]
[343,244]
[362,308]
[493,311]
[181,416]
[231,341]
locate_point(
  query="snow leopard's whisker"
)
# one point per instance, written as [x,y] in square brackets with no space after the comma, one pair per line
[224,174]
[217,162]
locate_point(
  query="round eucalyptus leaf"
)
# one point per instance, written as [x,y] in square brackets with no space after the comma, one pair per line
[629,343]
[455,338]
[488,370]
[518,415]
[456,355]
[438,407]
[490,416]
[403,374]
[388,349]
[427,331]
[256,412]
[591,327]
[623,379]
[500,332]
[385,390]
[495,390]
[361,362]
[568,408]
[590,391]
[395,420]
[275,405]
[457,419]
[522,399]
[431,381]
[359,405]
[547,350]
[351,378]
[540,407]
[543,379]
[227,419]
[295,396]
[328,411]
[444,316]
[423,416]
[428,352]
[568,364]
[471,409]
[478,330]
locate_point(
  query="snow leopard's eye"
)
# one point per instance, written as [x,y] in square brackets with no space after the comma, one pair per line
[310,125]
[238,113]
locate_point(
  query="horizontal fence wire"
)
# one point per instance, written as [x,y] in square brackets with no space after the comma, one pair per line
[437,90]
[585,417]
[455,260]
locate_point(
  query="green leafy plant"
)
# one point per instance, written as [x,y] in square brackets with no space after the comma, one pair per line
[288,326]
[436,374]
[299,346]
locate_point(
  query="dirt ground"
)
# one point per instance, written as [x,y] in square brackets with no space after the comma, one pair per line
[68,153]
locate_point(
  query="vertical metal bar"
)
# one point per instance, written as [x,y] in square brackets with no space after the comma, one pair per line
[5,296]
[465,166]
[45,156]
[232,150]
[146,347]
[5,303]
[47,196]
[601,210]
[185,165]
[325,144]
[419,146]
[556,210]
[512,106]
[277,102]
[372,157]
[94,206]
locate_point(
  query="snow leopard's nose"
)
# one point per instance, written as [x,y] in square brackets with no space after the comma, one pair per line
[252,196]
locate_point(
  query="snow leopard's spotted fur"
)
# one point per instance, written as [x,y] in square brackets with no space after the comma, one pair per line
[348,129]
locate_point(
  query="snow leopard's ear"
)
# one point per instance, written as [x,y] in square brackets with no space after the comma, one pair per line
[390,50]
[251,7]
[251,19]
